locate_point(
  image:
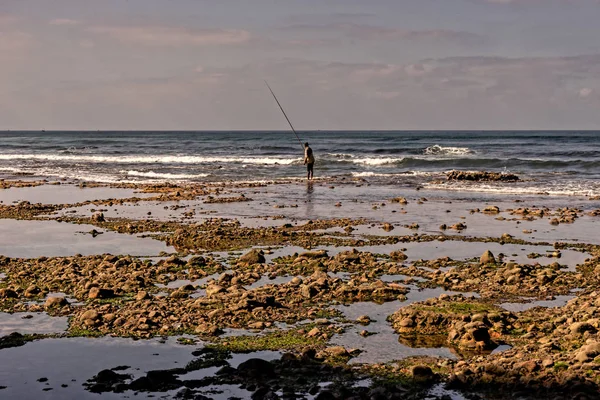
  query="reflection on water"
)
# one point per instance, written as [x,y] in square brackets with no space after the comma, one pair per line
[29,323]
[30,239]
[385,346]
[558,301]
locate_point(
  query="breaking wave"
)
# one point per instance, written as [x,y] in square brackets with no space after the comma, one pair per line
[164,175]
[436,149]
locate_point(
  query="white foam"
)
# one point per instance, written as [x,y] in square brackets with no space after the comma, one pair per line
[165,175]
[557,190]
[368,173]
[378,161]
[436,149]
[151,159]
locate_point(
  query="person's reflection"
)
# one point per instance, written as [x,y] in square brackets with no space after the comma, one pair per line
[309,199]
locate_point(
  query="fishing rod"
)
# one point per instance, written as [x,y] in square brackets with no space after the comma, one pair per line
[285,115]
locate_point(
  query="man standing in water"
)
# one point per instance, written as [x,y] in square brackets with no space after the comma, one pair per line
[309,161]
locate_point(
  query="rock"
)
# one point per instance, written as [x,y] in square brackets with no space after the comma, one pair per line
[98,217]
[8,294]
[55,302]
[491,210]
[588,352]
[97,293]
[314,254]
[256,368]
[480,176]
[313,332]
[399,200]
[406,323]
[487,258]
[387,227]
[296,281]
[179,294]
[579,328]
[212,290]
[398,255]
[308,291]
[142,295]
[89,314]
[256,325]
[459,226]
[254,256]
[422,373]
[336,351]
[32,291]
[364,320]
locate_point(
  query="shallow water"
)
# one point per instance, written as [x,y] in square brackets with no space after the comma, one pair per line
[29,323]
[75,360]
[29,239]
[384,346]
[64,194]
[558,301]
[372,203]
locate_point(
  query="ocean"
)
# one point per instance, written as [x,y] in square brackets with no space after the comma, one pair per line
[549,163]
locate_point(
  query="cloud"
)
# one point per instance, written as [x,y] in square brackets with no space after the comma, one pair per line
[585,92]
[173,37]
[64,22]
[7,19]
[13,41]
[372,32]
[329,17]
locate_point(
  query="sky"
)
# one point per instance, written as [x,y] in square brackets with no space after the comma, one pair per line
[334,64]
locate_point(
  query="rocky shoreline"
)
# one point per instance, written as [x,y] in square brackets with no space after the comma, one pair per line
[228,277]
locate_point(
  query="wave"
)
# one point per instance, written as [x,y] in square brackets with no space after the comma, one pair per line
[151,159]
[436,149]
[540,189]
[369,173]
[164,175]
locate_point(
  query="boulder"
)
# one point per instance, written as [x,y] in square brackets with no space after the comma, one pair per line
[487,258]
[55,302]
[256,368]
[254,256]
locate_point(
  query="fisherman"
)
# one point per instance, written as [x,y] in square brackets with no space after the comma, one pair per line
[309,161]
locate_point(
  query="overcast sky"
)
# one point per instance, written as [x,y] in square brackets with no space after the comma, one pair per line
[334,64]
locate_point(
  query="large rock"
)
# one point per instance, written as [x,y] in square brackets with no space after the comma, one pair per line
[487,258]
[257,368]
[588,352]
[422,373]
[254,256]
[579,328]
[55,302]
